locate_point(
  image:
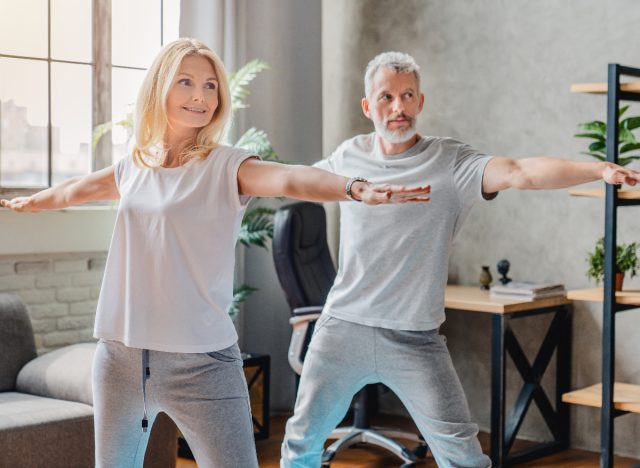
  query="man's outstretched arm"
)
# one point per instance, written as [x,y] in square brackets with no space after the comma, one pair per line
[551,173]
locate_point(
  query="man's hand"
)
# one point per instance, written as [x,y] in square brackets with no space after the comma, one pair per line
[22,204]
[617,175]
[377,194]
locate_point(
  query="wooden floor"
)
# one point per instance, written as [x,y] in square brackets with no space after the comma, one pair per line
[371,457]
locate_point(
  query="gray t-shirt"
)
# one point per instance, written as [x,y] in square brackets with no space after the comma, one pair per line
[394,258]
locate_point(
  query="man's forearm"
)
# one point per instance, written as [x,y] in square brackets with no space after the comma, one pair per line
[551,173]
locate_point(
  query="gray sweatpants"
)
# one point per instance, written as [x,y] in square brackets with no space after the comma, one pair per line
[343,357]
[204,393]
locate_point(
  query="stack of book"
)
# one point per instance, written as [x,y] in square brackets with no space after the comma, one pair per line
[527,291]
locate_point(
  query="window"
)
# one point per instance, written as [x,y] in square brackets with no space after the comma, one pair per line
[66,66]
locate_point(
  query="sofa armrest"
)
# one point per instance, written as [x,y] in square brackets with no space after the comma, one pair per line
[64,374]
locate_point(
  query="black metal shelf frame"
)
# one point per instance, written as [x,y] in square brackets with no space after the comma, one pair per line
[610,306]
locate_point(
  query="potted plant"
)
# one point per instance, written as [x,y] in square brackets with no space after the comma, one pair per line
[626,260]
[257,224]
[597,130]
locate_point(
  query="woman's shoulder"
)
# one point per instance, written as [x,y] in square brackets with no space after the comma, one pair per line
[230,153]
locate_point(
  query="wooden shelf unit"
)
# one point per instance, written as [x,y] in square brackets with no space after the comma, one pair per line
[599,193]
[626,397]
[602,88]
[627,297]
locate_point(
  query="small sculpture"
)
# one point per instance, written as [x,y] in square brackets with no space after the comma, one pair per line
[503,269]
[485,278]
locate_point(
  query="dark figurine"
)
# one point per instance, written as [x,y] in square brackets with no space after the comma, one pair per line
[485,278]
[503,269]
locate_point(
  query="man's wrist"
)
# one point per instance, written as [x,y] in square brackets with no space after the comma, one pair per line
[354,188]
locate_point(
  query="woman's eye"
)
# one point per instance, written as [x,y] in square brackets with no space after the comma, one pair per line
[210,86]
[185,82]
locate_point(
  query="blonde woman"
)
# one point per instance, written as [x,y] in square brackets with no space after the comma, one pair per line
[166,342]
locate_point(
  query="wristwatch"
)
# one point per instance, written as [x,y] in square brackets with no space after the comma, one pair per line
[350,183]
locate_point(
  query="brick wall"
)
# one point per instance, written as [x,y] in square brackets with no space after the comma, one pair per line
[60,292]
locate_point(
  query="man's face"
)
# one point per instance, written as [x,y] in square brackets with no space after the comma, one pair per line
[393,105]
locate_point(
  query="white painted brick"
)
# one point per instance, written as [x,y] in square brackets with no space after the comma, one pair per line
[12,283]
[26,268]
[97,263]
[73,294]
[87,279]
[75,323]
[53,281]
[38,340]
[66,266]
[61,338]
[7,268]
[37,296]
[43,326]
[45,311]
[83,308]
[86,335]
[95,293]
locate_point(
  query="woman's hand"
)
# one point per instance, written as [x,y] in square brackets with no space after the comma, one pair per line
[377,194]
[23,204]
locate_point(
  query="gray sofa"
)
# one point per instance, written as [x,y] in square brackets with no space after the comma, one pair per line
[46,413]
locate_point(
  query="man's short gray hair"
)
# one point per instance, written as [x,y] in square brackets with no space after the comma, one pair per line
[396,61]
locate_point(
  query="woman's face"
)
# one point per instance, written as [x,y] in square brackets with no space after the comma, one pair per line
[193,97]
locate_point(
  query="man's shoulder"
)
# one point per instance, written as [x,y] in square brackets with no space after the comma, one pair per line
[364,142]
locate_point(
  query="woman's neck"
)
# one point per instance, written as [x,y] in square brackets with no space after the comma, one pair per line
[175,143]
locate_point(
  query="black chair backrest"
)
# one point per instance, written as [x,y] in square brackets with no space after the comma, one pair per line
[17,345]
[301,254]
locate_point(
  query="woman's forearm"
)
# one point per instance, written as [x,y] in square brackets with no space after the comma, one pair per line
[56,197]
[310,183]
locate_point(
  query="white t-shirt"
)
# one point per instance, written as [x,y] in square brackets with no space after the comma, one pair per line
[393,259]
[168,280]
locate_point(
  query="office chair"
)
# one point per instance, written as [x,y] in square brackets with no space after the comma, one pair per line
[306,273]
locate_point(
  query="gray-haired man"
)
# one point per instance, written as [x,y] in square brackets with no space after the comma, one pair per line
[380,322]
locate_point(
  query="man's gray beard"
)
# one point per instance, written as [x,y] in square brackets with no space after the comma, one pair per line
[397,136]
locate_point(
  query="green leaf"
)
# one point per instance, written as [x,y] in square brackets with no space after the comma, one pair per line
[626,136]
[597,147]
[629,147]
[631,123]
[596,126]
[627,160]
[622,110]
[596,136]
[241,78]
[240,294]
[257,142]
[98,132]
[257,227]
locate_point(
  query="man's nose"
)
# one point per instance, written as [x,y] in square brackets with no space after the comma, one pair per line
[398,105]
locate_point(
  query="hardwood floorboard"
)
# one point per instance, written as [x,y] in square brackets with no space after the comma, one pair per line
[372,457]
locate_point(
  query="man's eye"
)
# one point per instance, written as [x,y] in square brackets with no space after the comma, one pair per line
[386,97]
[409,95]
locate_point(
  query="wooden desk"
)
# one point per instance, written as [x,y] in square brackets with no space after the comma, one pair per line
[503,340]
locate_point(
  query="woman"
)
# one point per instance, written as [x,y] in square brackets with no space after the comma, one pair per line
[166,342]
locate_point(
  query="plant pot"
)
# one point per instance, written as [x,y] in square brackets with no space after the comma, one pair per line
[619,281]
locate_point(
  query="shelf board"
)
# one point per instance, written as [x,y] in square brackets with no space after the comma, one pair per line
[628,297]
[599,193]
[601,88]
[626,397]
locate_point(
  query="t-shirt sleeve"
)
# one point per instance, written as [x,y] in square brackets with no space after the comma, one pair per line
[468,170]
[122,170]
[239,156]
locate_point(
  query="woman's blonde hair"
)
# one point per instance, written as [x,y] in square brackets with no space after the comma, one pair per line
[151,107]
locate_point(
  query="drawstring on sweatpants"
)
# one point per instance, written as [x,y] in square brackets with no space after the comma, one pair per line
[146,373]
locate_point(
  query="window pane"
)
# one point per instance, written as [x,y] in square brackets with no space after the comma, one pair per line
[23,123]
[135,31]
[170,20]
[70,120]
[71,30]
[23,27]
[125,85]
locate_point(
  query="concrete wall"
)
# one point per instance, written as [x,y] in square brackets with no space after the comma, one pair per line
[496,74]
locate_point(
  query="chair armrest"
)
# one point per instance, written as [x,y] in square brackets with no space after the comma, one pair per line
[64,374]
[307,310]
[300,326]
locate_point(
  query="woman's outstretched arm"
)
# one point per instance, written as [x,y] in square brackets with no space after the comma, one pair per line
[99,185]
[269,179]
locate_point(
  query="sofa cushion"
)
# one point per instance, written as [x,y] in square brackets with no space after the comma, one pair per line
[18,410]
[64,373]
[17,346]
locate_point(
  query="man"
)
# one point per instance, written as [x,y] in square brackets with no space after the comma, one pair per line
[380,322]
